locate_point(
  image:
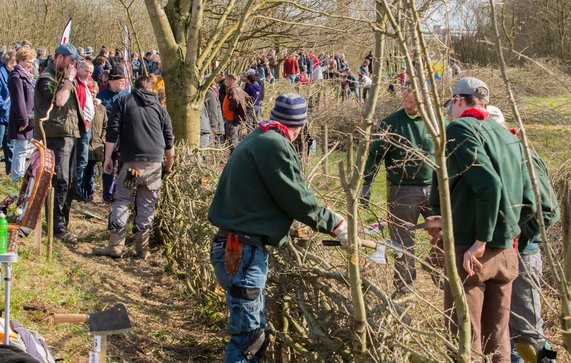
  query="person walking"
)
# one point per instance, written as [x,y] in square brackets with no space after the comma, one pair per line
[145,131]
[21,84]
[491,196]
[260,193]
[55,92]
[409,177]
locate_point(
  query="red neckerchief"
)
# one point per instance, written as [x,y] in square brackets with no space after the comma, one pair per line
[476,113]
[267,125]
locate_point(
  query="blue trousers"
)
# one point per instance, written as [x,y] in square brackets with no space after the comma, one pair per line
[6,146]
[108,181]
[82,159]
[244,296]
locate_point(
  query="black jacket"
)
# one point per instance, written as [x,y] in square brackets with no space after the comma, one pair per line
[143,125]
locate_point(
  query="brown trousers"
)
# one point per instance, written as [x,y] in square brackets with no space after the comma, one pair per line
[488,294]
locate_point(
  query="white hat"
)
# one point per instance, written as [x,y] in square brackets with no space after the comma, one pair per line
[496,114]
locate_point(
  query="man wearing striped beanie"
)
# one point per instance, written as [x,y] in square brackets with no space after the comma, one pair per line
[260,193]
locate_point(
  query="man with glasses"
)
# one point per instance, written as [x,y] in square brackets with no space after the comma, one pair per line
[406,147]
[491,197]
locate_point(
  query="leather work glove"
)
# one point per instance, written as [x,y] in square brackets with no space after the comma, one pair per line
[365,195]
[341,232]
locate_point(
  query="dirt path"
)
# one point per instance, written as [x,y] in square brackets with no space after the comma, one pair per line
[167,327]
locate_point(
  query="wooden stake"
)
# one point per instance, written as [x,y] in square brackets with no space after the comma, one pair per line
[50,218]
[38,238]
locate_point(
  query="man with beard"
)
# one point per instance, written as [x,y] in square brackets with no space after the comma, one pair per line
[55,97]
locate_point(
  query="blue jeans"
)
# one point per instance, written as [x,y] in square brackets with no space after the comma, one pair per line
[22,150]
[108,181]
[6,146]
[82,159]
[246,312]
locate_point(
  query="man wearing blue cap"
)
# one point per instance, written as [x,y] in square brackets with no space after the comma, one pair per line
[260,193]
[55,92]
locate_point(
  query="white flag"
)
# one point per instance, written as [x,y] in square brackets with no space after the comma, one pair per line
[66,33]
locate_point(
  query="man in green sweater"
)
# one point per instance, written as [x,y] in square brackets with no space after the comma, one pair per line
[260,192]
[406,147]
[491,196]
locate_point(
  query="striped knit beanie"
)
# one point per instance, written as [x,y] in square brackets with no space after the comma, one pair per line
[290,110]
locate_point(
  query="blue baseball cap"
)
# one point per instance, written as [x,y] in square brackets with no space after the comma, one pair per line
[68,50]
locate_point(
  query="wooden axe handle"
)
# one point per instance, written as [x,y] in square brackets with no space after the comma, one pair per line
[368,243]
[70,318]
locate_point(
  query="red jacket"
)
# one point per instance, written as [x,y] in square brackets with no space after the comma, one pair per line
[291,66]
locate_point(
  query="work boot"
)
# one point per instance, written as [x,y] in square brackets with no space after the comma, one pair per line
[115,247]
[142,244]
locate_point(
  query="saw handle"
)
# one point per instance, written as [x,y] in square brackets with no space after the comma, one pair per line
[70,318]
[363,242]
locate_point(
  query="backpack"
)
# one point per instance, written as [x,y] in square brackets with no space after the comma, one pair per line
[35,344]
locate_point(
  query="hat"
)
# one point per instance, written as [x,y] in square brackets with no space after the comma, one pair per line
[496,114]
[472,87]
[290,109]
[116,73]
[88,50]
[68,50]
[250,71]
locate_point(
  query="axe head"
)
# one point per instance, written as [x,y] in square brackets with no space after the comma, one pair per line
[111,321]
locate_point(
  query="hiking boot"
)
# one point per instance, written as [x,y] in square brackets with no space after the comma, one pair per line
[115,247]
[66,237]
[142,244]
[109,251]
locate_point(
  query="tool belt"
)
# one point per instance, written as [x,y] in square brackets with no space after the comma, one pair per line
[234,248]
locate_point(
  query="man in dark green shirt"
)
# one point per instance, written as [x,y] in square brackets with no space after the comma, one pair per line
[260,192]
[491,196]
[406,147]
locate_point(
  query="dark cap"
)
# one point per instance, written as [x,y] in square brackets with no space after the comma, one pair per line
[68,50]
[116,73]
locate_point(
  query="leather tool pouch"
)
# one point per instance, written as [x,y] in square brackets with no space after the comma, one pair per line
[233,254]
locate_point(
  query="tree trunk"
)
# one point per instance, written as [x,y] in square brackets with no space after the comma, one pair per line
[184,102]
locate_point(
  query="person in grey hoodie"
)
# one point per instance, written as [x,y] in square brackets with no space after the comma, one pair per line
[145,130]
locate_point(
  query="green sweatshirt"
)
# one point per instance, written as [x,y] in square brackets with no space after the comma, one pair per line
[490,188]
[262,190]
[530,231]
[403,167]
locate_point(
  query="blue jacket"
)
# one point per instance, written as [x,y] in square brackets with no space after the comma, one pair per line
[4,94]
[108,97]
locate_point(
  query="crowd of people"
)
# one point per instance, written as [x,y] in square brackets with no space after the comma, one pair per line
[90,115]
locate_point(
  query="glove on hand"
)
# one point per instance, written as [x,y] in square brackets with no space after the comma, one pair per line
[342,233]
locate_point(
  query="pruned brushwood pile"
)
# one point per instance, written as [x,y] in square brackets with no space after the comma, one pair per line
[182,217]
